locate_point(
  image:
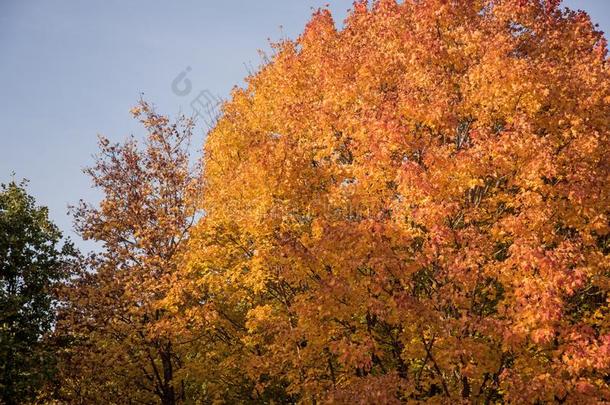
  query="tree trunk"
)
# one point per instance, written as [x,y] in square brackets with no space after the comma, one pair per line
[169,395]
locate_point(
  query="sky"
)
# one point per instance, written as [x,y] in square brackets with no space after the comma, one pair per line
[70,70]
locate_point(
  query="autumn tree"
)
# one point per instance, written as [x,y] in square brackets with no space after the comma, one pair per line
[121,349]
[33,261]
[412,208]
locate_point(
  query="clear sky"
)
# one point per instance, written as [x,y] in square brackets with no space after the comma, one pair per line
[70,70]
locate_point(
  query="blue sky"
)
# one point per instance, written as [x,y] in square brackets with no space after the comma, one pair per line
[70,70]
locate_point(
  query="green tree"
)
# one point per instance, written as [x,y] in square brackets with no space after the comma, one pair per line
[32,262]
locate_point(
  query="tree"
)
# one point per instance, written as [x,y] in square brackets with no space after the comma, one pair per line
[122,350]
[415,208]
[32,264]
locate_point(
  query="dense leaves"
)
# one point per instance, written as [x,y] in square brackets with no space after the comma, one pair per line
[413,208]
[32,263]
[122,349]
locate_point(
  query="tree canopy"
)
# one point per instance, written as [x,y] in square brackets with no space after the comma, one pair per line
[412,208]
[32,264]
[122,346]
[415,208]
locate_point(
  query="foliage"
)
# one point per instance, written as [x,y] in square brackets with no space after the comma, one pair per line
[121,349]
[32,263]
[412,208]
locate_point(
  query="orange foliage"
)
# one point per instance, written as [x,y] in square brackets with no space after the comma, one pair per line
[411,208]
[414,207]
[120,348]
